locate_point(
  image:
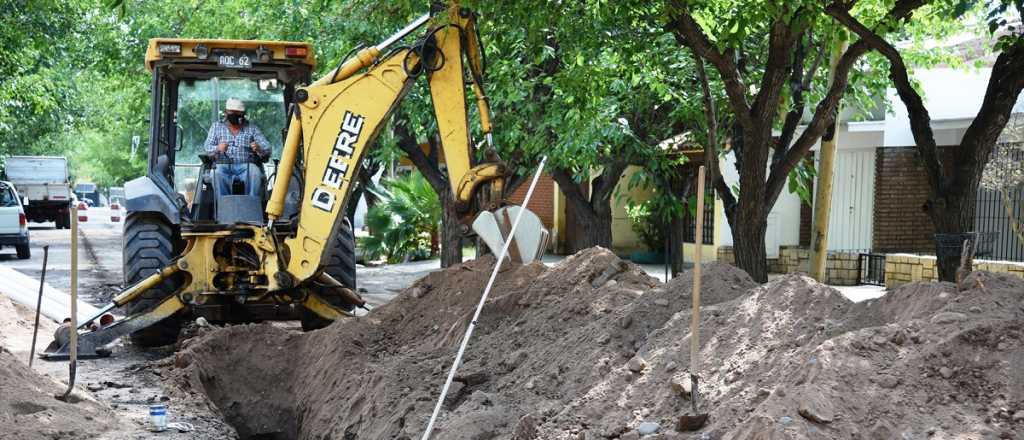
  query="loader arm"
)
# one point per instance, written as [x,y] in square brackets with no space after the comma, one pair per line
[339,116]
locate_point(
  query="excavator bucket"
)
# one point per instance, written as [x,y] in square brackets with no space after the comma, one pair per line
[529,241]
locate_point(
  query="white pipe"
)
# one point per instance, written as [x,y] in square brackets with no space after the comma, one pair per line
[483,299]
[56,304]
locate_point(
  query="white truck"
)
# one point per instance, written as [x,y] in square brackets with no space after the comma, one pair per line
[42,183]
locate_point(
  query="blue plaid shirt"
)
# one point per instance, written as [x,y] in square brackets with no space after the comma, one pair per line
[238,144]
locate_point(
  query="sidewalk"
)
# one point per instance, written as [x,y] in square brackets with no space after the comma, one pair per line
[382,283]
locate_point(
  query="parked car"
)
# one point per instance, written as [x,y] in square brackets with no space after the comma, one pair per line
[13,222]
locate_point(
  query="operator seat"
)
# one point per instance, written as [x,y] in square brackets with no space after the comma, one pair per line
[236,207]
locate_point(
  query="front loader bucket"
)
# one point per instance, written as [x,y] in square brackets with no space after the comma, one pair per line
[530,240]
[95,343]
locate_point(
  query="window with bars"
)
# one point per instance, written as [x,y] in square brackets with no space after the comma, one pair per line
[690,223]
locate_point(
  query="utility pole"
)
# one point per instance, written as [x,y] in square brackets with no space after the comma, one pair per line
[826,168]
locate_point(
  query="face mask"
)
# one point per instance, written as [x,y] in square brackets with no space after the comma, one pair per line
[235,118]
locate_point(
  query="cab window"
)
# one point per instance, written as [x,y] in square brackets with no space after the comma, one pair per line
[201,104]
[7,197]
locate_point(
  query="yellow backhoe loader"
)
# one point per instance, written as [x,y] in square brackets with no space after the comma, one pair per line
[231,256]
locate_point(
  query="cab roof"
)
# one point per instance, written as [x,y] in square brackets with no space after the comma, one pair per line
[276,50]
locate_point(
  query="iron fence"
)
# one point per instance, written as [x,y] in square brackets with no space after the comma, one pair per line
[871,269]
[996,215]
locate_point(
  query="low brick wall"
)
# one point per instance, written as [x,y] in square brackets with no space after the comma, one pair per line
[725,255]
[904,268]
[840,268]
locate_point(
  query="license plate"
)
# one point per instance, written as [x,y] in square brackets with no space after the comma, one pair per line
[234,59]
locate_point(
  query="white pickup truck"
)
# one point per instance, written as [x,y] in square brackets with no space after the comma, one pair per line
[42,183]
[13,227]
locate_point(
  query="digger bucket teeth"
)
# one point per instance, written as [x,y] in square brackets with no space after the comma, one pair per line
[529,242]
[95,343]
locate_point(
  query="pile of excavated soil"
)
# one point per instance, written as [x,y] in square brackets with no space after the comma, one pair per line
[28,410]
[16,323]
[594,348]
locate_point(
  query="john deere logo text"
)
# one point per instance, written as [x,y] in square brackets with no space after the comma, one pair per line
[337,166]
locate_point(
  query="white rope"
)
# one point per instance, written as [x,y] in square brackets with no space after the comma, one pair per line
[480,307]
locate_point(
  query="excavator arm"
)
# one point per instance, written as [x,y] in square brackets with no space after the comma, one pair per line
[338,117]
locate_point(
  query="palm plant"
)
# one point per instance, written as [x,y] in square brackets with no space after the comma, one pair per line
[404,221]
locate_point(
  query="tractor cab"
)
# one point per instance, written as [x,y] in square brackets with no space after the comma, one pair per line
[191,84]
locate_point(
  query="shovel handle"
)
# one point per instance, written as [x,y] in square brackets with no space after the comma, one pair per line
[698,245]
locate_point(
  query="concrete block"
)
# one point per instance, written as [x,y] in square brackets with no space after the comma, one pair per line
[915,272]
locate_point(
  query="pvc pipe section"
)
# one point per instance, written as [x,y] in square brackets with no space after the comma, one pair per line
[56,305]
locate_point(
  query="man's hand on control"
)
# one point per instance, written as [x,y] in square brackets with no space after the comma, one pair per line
[222,147]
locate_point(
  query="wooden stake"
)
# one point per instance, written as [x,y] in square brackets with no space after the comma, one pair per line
[698,241]
[823,196]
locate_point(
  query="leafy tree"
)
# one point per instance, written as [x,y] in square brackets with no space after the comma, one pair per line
[592,86]
[952,200]
[37,93]
[768,57]
[405,221]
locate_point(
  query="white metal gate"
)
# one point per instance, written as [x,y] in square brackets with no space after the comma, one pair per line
[853,200]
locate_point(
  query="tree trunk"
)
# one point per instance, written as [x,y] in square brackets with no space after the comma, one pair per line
[675,245]
[748,233]
[953,213]
[451,228]
[596,228]
[681,184]
[451,235]
[593,214]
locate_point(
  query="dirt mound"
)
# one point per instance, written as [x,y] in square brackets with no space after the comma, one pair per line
[28,410]
[594,348]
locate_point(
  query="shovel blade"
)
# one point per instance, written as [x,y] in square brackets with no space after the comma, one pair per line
[691,422]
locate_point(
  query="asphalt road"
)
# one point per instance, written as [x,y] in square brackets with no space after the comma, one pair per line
[99,256]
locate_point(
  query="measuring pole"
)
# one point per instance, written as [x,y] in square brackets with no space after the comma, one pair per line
[826,169]
[483,300]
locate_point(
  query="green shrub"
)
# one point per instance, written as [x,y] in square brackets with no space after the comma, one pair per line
[404,220]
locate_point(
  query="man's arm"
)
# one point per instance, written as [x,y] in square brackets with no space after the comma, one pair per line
[211,139]
[262,144]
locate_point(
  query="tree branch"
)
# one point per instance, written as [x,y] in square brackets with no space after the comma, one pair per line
[797,79]
[429,169]
[714,174]
[1004,87]
[571,189]
[920,120]
[826,111]
[604,184]
[777,67]
[688,33]
[824,116]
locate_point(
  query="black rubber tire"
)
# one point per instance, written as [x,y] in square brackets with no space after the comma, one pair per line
[340,265]
[63,221]
[24,252]
[150,243]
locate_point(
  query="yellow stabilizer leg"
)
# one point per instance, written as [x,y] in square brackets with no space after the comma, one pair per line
[94,343]
[316,304]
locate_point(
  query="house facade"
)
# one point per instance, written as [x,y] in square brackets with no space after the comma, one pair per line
[880,187]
